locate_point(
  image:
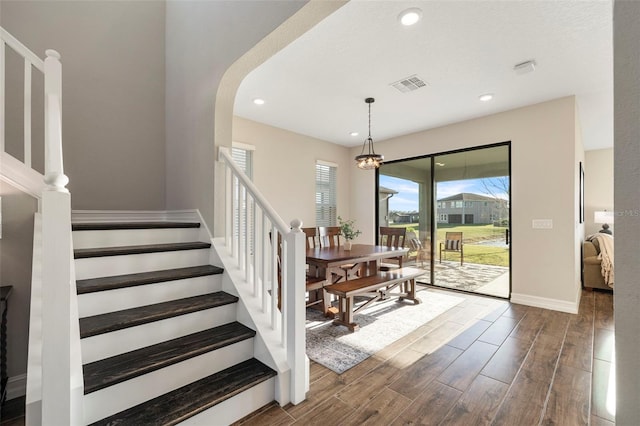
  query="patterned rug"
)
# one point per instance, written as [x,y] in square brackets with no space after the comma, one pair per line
[381,324]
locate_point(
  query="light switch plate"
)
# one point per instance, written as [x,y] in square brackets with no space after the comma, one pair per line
[542,223]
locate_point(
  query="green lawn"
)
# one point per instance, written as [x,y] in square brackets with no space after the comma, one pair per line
[473,253]
[484,255]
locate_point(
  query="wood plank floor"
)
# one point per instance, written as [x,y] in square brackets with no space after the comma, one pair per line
[485,362]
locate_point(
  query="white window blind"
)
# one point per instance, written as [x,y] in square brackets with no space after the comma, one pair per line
[244,159]
[326,196]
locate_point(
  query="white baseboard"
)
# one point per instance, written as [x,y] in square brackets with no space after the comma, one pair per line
[92,216]
[546,303]
[17,386]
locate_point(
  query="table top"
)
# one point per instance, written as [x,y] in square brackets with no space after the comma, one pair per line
[358,252]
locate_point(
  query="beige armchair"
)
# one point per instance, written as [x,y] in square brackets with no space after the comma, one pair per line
[591,269]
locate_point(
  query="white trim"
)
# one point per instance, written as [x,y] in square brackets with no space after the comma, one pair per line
[17,386]
[92,216]
[327,163]
[242,145]
[546,303]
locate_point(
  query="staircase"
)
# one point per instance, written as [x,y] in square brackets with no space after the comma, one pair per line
[160,341]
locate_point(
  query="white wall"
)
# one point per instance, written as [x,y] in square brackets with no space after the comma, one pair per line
[544,186]
[113,94]
[284,168]
[598,187]
[626,39]
[16,250]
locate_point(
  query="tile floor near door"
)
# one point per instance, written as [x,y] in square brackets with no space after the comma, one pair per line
[516,365]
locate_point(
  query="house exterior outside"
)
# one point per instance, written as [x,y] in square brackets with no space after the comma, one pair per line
[165,157]
[467,208]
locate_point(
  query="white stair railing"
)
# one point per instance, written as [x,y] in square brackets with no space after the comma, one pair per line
[275,275]
[54,375]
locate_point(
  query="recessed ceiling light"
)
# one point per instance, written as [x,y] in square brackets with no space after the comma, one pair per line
[410,16]
[440,164]
[258,101]
[486,97]
[354,133]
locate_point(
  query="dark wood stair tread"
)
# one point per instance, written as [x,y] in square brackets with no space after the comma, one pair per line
[105,226]
[187,401]
[148,248]
[110,371]
[130,280]
[118,320]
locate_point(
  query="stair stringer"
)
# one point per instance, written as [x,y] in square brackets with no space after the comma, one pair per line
[268,347]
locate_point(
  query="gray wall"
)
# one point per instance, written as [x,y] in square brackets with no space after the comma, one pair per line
[626,42]
[113,94]
[15,270]
[203,39]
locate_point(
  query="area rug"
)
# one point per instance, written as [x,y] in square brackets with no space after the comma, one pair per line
[381,324]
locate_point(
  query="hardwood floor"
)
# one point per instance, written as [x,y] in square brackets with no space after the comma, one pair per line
[513,365]
[508,364]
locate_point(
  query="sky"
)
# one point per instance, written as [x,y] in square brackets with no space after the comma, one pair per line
[407,197]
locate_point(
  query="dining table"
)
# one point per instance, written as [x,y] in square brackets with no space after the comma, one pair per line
[337,263]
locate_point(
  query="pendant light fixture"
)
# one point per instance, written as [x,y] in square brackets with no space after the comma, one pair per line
[370,160]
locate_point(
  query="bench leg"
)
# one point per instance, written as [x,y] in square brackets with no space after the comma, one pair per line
[345,314]
[410,291]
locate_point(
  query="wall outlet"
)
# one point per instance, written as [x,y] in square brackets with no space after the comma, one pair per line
[542,223]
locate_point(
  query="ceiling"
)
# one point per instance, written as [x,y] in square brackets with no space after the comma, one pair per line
[316,86]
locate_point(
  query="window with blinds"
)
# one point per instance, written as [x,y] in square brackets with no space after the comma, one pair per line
[326,196]
[244,159]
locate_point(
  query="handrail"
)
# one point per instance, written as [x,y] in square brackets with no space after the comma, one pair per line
[20,48]
[253,231]
[21,173]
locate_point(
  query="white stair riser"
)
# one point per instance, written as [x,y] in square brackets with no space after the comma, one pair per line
[235,408]
[133,237]
[105,345]
[106,266]
[108,401]
[101,302]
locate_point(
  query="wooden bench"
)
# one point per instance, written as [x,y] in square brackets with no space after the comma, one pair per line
[378,286]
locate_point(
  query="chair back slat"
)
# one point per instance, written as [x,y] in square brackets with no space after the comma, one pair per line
[329,236]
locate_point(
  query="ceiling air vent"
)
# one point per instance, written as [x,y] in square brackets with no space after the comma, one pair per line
[409,84]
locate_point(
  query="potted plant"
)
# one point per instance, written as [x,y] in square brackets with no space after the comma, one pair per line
[348,231]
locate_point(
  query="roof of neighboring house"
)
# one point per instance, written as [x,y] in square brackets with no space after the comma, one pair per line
[467,196]
[387,190]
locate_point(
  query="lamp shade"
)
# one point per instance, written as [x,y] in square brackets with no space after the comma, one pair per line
[603,217]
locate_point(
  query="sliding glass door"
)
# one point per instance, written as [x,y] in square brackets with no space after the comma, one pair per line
[456,209]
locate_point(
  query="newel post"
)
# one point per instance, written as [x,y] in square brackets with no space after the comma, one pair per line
[295,312]
[54,176]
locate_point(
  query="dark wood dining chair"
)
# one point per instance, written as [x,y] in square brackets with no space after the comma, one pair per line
[452,242]
[329,236]
[392,238]
[314,286]
[311,234]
